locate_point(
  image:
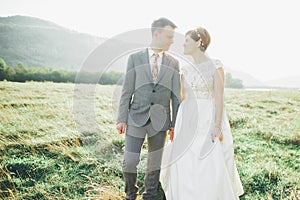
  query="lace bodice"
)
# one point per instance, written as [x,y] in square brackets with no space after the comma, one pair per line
[199,79]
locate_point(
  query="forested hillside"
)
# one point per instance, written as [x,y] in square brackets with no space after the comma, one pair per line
[39,43]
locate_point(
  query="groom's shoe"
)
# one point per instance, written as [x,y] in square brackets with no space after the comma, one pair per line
[151,186]
[125,198]
[131,198]
[131,189]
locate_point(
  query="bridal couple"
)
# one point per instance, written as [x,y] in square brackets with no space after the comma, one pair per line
[159,98]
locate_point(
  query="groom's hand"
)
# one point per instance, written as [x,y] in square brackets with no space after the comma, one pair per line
[121,127]
[171,133]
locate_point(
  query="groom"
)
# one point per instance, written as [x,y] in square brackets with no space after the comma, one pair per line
[151,83]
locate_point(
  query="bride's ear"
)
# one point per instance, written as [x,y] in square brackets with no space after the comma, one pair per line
[199,43]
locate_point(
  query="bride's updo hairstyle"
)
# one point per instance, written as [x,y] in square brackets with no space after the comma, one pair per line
[200,33]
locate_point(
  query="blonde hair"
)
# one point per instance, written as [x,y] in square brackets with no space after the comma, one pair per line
[200,33]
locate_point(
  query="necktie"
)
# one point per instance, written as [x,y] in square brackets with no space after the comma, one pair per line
[155,67]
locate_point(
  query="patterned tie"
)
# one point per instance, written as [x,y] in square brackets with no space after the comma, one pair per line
[155,67]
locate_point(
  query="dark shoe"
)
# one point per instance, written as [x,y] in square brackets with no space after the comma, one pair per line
[130,199]
[131,188]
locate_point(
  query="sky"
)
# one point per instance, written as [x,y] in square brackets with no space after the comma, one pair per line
[259,37]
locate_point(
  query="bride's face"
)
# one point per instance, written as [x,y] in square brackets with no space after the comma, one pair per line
[190,46]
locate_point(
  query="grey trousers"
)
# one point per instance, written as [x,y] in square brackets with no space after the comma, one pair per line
[134,140]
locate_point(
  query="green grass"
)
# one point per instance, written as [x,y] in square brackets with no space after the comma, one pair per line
[60,142]
[266,130]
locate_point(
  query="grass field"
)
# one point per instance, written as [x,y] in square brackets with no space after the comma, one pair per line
[58,141]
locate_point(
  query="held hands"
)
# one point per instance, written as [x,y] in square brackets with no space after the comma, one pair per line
[121,127]
[171,133]
[217,134]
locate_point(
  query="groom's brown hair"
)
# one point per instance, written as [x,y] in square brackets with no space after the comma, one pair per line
[161,23]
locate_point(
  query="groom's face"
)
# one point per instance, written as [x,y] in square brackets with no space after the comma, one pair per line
[164,37]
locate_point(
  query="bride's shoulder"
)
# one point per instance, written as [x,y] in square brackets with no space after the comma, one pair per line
[185,69]
[217,63]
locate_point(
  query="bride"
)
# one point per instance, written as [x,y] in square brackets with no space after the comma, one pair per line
[199,163]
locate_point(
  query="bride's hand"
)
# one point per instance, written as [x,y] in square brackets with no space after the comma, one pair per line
[171,133]
[217,134]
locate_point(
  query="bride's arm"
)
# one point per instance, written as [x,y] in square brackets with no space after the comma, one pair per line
[219,102]
[183,90]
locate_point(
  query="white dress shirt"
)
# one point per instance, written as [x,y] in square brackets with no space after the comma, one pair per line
[152,58]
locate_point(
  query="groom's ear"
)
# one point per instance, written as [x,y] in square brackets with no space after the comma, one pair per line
[156,33]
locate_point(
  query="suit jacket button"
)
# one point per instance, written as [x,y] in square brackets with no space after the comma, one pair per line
[152,103]
[153,91]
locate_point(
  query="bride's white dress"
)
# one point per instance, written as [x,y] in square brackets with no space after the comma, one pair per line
[193,167]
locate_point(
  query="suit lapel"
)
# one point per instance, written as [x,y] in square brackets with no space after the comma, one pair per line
[145,63]
[163,68]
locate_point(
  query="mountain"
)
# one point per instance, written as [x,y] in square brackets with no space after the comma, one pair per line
[292,82]
[248,80]
[288,82]
[40,43]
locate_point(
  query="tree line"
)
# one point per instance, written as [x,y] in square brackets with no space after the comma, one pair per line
[21,73]
[233,82]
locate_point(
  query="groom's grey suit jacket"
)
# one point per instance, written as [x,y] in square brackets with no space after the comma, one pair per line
[142,99]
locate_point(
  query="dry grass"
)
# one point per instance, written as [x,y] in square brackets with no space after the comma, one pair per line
[58,141]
